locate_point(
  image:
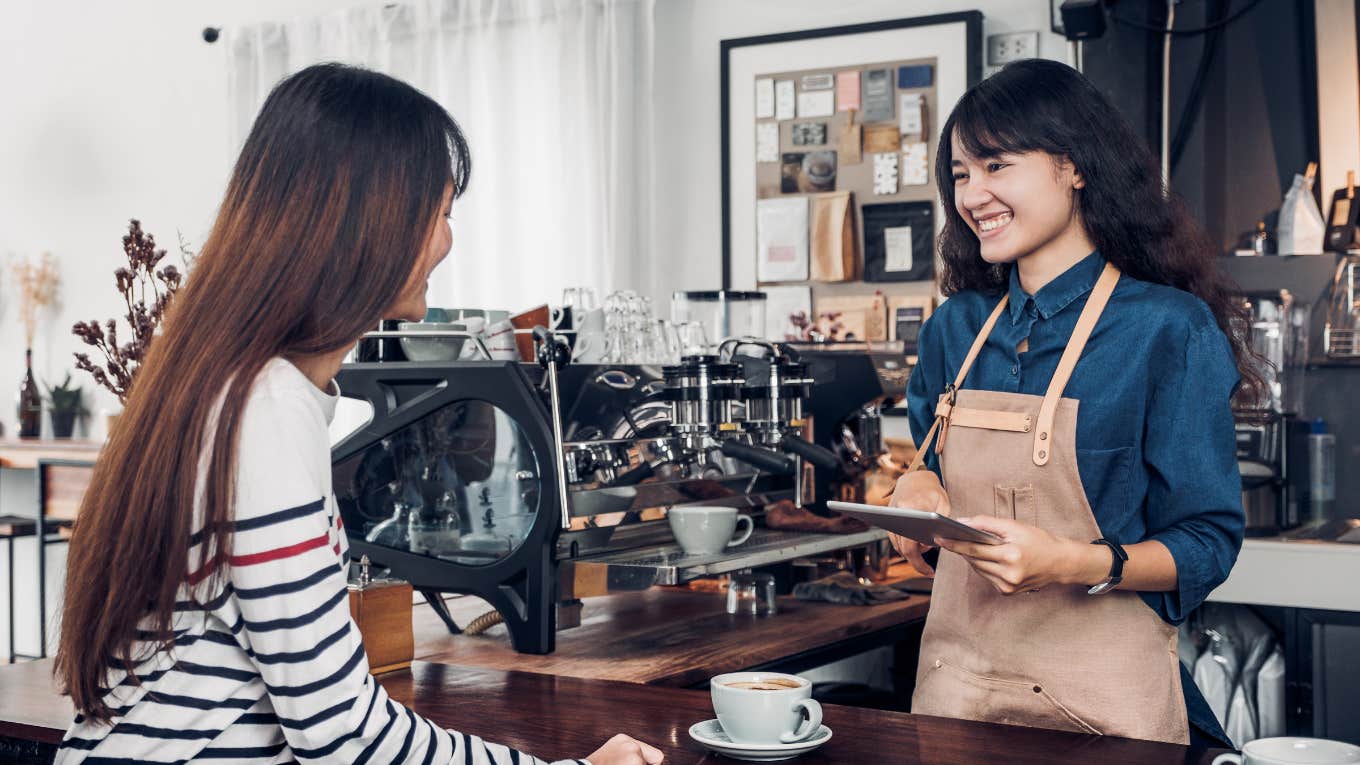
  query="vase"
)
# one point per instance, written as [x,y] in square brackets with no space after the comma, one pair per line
[64,423]
[30,402]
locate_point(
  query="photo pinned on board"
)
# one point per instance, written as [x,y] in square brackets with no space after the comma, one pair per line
[808,172]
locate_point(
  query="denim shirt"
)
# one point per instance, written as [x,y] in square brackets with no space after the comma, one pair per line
[1156,447]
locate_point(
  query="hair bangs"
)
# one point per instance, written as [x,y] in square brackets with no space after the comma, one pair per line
[987,124]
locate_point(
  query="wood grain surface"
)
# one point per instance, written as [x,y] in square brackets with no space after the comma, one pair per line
[556,717]
[662,636]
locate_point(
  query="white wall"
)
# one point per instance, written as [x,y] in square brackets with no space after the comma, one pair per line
[108,111]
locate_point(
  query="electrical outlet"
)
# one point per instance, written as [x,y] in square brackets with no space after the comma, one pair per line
[1011,46]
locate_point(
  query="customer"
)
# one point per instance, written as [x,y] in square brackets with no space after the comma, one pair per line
[206,615]
[1077,386]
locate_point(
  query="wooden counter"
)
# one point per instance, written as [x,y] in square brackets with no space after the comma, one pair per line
[555,717]
[673,636]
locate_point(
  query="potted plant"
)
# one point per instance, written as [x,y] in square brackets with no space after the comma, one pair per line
[65,404]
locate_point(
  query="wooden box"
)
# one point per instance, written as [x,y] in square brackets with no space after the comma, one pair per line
[383,612]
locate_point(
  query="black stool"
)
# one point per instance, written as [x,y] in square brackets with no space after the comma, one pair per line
[12,527]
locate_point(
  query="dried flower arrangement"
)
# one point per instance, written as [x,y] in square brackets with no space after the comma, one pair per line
[37,287]
[827,328]
[147,291]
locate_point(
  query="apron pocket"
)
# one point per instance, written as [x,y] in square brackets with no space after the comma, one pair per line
[1013,702]
[1015,503]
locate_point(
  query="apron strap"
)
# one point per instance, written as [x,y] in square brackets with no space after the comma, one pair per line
[941,424]
[1090,314]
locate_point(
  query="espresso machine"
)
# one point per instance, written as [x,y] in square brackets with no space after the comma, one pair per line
[535,484]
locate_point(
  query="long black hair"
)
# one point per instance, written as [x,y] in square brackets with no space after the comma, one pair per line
[1127,211]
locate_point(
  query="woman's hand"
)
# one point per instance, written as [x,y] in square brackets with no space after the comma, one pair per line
[1029,560]
[918,490]
[625,750]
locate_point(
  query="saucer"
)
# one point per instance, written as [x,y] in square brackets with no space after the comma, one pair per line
[710,734]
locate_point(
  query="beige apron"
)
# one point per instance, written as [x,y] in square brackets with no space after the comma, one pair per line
[1057,658]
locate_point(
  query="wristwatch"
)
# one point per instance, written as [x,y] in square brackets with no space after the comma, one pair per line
[1116,568]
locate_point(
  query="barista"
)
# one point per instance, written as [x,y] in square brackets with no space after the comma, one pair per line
[1074,397]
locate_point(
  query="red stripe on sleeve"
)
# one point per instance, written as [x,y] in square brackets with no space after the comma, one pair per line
[281,552]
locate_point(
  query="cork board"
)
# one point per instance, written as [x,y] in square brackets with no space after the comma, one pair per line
[953,42]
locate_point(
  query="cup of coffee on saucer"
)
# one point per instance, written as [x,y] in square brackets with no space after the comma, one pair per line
[762,716]
[708,530]
[1292,750]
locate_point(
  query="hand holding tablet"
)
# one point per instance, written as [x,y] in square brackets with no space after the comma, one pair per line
[920,525]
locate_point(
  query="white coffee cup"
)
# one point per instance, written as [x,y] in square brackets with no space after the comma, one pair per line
[1291,750]
[753,708]
[591,344]
[500,341]
[704,530]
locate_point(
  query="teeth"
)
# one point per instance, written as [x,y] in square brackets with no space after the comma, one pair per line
[991,224]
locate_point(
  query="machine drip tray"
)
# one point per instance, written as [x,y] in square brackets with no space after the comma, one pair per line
[1345,530]
[668,564]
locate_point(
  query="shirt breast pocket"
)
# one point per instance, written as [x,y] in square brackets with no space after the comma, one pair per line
[1105,479]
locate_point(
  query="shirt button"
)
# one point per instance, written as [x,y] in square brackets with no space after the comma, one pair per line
[1015,369]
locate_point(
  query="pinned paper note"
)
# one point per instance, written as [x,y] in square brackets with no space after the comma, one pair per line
[847,90]
[818,103]
[782,239]
[885,173]
[764,98]
[848,144]
[881,138]
[918,76]
[819,81]
[915,164]
[767,142]
[877,86]
[912,119]
[808,133]
[897,249]
[783,100]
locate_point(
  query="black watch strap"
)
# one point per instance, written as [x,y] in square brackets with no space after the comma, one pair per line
[1116,566]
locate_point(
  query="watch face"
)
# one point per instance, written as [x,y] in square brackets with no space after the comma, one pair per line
[1105,586]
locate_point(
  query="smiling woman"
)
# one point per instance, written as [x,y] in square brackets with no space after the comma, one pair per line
[1078,285]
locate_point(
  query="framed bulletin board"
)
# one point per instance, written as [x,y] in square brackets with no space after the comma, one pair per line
[834,131]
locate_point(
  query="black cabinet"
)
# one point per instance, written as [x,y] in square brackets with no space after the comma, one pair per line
[1322,655]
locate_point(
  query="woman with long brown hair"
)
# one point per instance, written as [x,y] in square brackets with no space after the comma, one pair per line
[205,611]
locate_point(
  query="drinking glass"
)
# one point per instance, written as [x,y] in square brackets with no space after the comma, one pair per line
[693,339]
[751,593]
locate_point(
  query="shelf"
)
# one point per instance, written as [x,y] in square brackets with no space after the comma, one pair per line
[1323,362]
[1307,277]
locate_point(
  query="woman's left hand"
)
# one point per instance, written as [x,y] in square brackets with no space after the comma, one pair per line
[1029,560]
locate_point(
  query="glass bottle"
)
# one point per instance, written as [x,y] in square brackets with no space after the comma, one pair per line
[30,402]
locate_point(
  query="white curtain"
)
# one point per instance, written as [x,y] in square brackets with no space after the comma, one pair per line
[555,99]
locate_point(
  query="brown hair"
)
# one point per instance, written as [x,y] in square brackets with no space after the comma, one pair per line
[330,204]
[1040,105]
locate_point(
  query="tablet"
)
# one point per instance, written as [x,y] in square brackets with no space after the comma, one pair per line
[914,524]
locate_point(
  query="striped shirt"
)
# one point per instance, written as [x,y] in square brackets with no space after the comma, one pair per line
[268,667]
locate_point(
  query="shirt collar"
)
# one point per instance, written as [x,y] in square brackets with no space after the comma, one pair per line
[1059,293]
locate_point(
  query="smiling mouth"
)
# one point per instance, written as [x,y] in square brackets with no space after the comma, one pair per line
[990,223]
